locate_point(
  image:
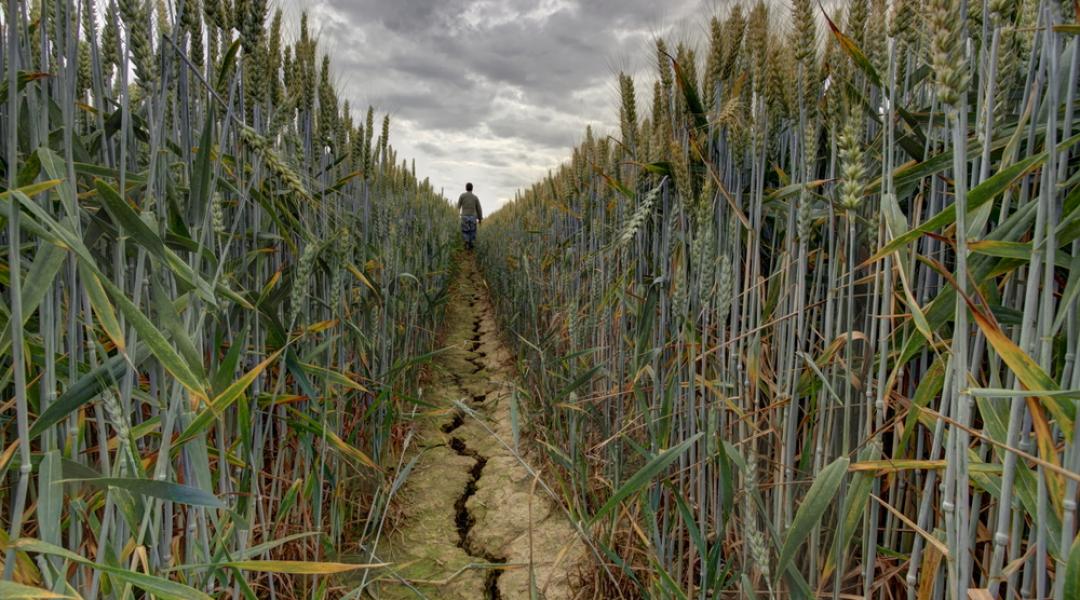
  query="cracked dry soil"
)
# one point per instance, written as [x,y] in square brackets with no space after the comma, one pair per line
[469,503]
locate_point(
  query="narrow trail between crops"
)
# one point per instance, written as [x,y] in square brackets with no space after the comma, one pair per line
[469,502]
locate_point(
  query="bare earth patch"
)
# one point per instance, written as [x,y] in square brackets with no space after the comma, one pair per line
[469,503]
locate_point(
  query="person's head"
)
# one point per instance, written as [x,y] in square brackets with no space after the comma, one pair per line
[468,187]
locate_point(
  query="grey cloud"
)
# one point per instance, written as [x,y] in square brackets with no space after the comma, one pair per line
[502,87]
[544,58]
[432,149]
[561,135]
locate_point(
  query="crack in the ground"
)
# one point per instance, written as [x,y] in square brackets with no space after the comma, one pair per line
[471,374]
[465,520]
[476,362]
[458,421]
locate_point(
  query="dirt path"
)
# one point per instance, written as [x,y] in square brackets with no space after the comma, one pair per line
[469,501]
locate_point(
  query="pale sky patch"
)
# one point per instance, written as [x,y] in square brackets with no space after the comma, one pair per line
[495,92]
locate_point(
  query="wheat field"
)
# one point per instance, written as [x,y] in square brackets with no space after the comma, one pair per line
[218,280]
[807,325]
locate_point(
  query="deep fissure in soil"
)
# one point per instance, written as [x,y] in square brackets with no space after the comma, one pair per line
[475,362]
[465,520]
[458,421]
[467,516]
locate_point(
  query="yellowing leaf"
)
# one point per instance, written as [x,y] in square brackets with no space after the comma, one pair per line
[159,587]
[298,567]
[224,400]
[892,466]
[1027,370]
[321,326]
[334,377]
[17,591]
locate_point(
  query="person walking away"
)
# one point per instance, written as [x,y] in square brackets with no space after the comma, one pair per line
[471,215]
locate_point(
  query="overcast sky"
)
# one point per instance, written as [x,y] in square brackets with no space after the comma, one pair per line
[495,92]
